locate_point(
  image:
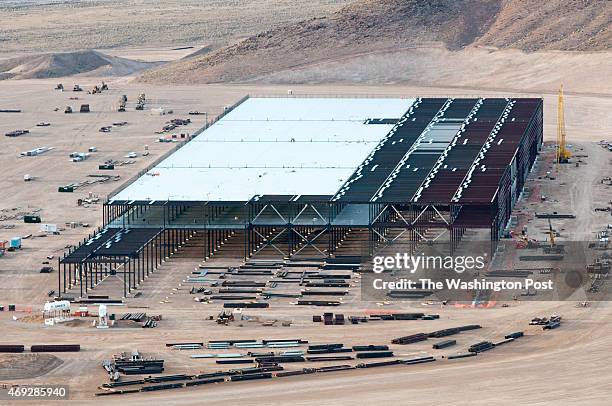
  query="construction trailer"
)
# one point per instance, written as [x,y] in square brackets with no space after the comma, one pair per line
[324,177]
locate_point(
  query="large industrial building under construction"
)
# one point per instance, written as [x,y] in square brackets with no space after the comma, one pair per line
[319,177]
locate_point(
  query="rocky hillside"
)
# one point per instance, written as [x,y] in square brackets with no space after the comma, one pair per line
[369,26]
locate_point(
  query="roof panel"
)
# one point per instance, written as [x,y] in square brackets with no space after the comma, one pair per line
[272,146]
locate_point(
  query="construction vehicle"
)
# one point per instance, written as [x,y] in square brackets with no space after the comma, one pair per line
[121,106]
[553,248]
[59,87]
[141,101]
[224,318]
[524,242]
[77,88]
[563,153]
[98,88]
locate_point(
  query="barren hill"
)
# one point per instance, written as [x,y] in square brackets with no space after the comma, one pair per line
[369,26]
[68,64]
[566,25]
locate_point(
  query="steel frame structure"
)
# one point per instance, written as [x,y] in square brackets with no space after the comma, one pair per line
[461,165]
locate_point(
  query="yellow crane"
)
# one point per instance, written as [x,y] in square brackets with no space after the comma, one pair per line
[563,153]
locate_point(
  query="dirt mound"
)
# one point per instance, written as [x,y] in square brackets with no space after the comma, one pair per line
[369,26]
[69,64]
[27,366]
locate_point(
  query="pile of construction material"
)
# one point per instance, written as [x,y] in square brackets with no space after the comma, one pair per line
[132,364]
[329,319]
[268,364]
[414,338]
[270,371]
[36,151]
[313,353]
[241,286]
[174,123]
[56,348]
[12,348]
[483,346]
[547,323]
[146,321]
[16,133]
[555,215]
[444,344]
[97,179]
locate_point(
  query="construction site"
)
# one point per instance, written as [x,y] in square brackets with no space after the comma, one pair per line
[262,265]
[234,235]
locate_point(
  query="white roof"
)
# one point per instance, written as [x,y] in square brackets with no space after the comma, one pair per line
[271,146]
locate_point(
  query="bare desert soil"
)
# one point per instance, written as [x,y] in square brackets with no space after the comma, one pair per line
[61,25]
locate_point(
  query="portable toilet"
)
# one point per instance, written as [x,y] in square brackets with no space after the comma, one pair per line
[15,242]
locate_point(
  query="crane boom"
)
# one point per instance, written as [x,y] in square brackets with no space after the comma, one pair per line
[562,152]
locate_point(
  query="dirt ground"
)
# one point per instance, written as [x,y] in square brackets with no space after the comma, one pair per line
[568,363]
[27,366]
[60,25]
